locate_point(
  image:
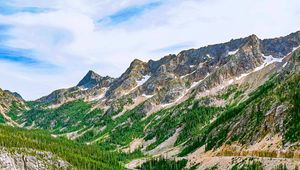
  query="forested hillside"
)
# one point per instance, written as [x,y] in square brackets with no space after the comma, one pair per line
[79,156]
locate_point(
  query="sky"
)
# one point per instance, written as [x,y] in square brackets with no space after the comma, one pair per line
[51,44]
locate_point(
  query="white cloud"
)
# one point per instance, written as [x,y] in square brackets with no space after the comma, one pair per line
[71,37]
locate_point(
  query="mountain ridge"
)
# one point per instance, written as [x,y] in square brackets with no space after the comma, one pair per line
[158,67]
[237,98]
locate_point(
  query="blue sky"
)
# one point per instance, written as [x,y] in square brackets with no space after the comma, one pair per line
[17,56]
[45,45]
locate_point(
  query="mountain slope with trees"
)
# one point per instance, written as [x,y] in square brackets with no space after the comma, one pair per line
[238,99]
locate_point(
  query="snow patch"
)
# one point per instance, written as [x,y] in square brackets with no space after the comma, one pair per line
[143,80]
[147,96]
[233,52]
[284,64]
[295,48]
[270,59]
[83,89]
[267,61]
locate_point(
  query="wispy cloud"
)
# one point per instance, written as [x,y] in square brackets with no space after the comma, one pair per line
[17,56]
[23,57]
[174,47]
[128,13]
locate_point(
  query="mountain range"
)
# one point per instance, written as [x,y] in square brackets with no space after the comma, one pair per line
[232,105]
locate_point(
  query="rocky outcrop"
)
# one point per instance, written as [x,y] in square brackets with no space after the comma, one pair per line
[26,159]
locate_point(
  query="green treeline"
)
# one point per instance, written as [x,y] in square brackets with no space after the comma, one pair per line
[163,164]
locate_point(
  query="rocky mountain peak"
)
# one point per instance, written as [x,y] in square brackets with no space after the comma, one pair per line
[15,94]
[252,47]
[92,74]
[129,79]
[252,40]
[253,37]
[92,79]
[136,64]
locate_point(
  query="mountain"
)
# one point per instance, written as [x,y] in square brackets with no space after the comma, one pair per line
[228,105]
[92,79]
[91,87]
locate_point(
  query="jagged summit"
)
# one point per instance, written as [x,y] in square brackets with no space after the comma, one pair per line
[92,79]
[170,76]
[136,61]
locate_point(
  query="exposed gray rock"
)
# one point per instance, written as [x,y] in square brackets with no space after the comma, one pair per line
[21,159]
